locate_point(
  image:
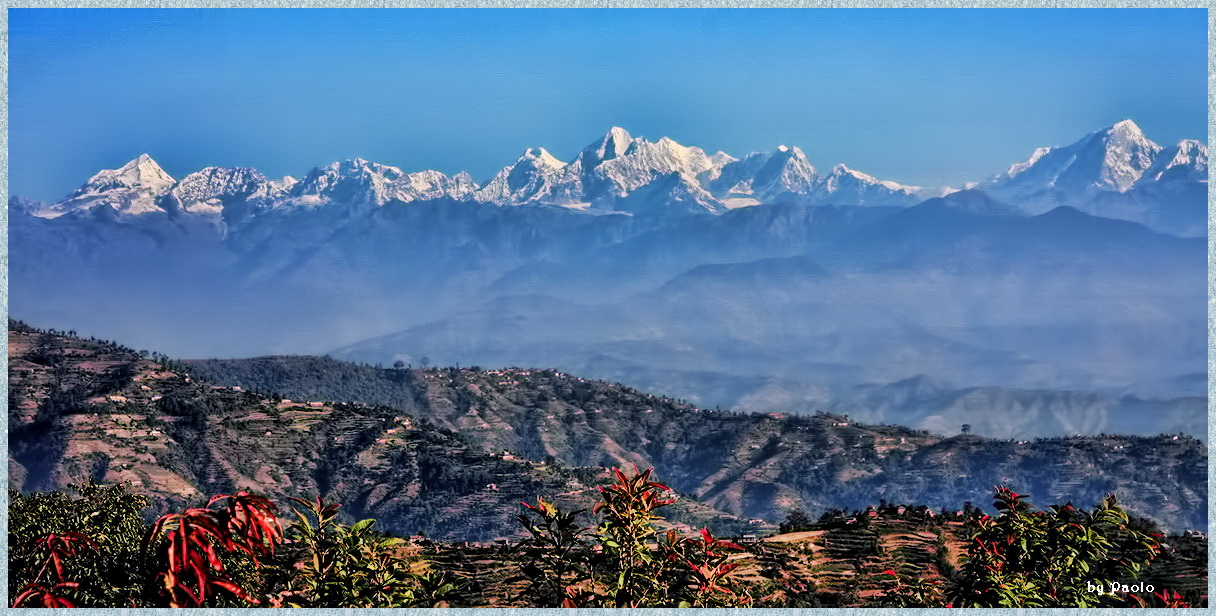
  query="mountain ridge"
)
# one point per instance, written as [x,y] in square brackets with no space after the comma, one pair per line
[606,173]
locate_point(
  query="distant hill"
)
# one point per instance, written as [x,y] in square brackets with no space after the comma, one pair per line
[750,465]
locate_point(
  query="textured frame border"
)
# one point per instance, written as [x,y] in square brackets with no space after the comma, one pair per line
[1210,5]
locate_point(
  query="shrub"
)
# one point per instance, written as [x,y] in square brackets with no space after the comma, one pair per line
[329,564]
[623,562]
[1053,558]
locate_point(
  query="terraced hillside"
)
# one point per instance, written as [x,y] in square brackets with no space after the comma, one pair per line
[753,465]
[83,410]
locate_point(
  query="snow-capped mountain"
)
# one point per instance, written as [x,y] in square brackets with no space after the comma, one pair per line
[1115,172]
[616,173]
[847,186]
[637,260]
[359,182]
[130,190]
[1115,159]
[208,190]
[606,175]
[1185,162]
[766,176]
[536,177]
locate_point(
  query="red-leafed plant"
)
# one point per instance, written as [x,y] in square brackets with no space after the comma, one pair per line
[704,570]
[1171,598]
[197,538]
[622,562]
[59,548]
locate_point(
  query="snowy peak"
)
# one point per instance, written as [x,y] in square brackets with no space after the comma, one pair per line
[1185,162]
[130,190]
[622,173]
[1016,169]
[636,165]
[1111,159]
[541,158]
[537,176]
[847,186]
[354,181]
[786,171]
[613,144]
[362,183]
[214,185]
[140,173]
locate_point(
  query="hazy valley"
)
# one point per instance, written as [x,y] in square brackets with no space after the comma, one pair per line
[1063,296]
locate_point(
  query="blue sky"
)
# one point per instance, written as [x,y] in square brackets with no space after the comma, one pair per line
[920,96]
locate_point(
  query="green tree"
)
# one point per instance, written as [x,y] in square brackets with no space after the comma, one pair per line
[1052,558]
[796,520]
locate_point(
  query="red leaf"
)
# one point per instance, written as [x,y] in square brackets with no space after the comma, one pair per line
[30,590]
[236,590]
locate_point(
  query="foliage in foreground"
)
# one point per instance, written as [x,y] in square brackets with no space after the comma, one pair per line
[105,570]
[89,547]
[1060,557]
[96,551]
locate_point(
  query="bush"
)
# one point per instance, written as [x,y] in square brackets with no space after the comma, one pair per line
[623,562]
[1053,558]
[90,548]
[197,540]
[329,564]
[92,535]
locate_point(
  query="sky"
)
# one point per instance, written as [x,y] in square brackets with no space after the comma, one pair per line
[926,97]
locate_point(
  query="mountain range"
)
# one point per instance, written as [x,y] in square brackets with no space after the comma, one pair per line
[625,174]
[1066,294]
